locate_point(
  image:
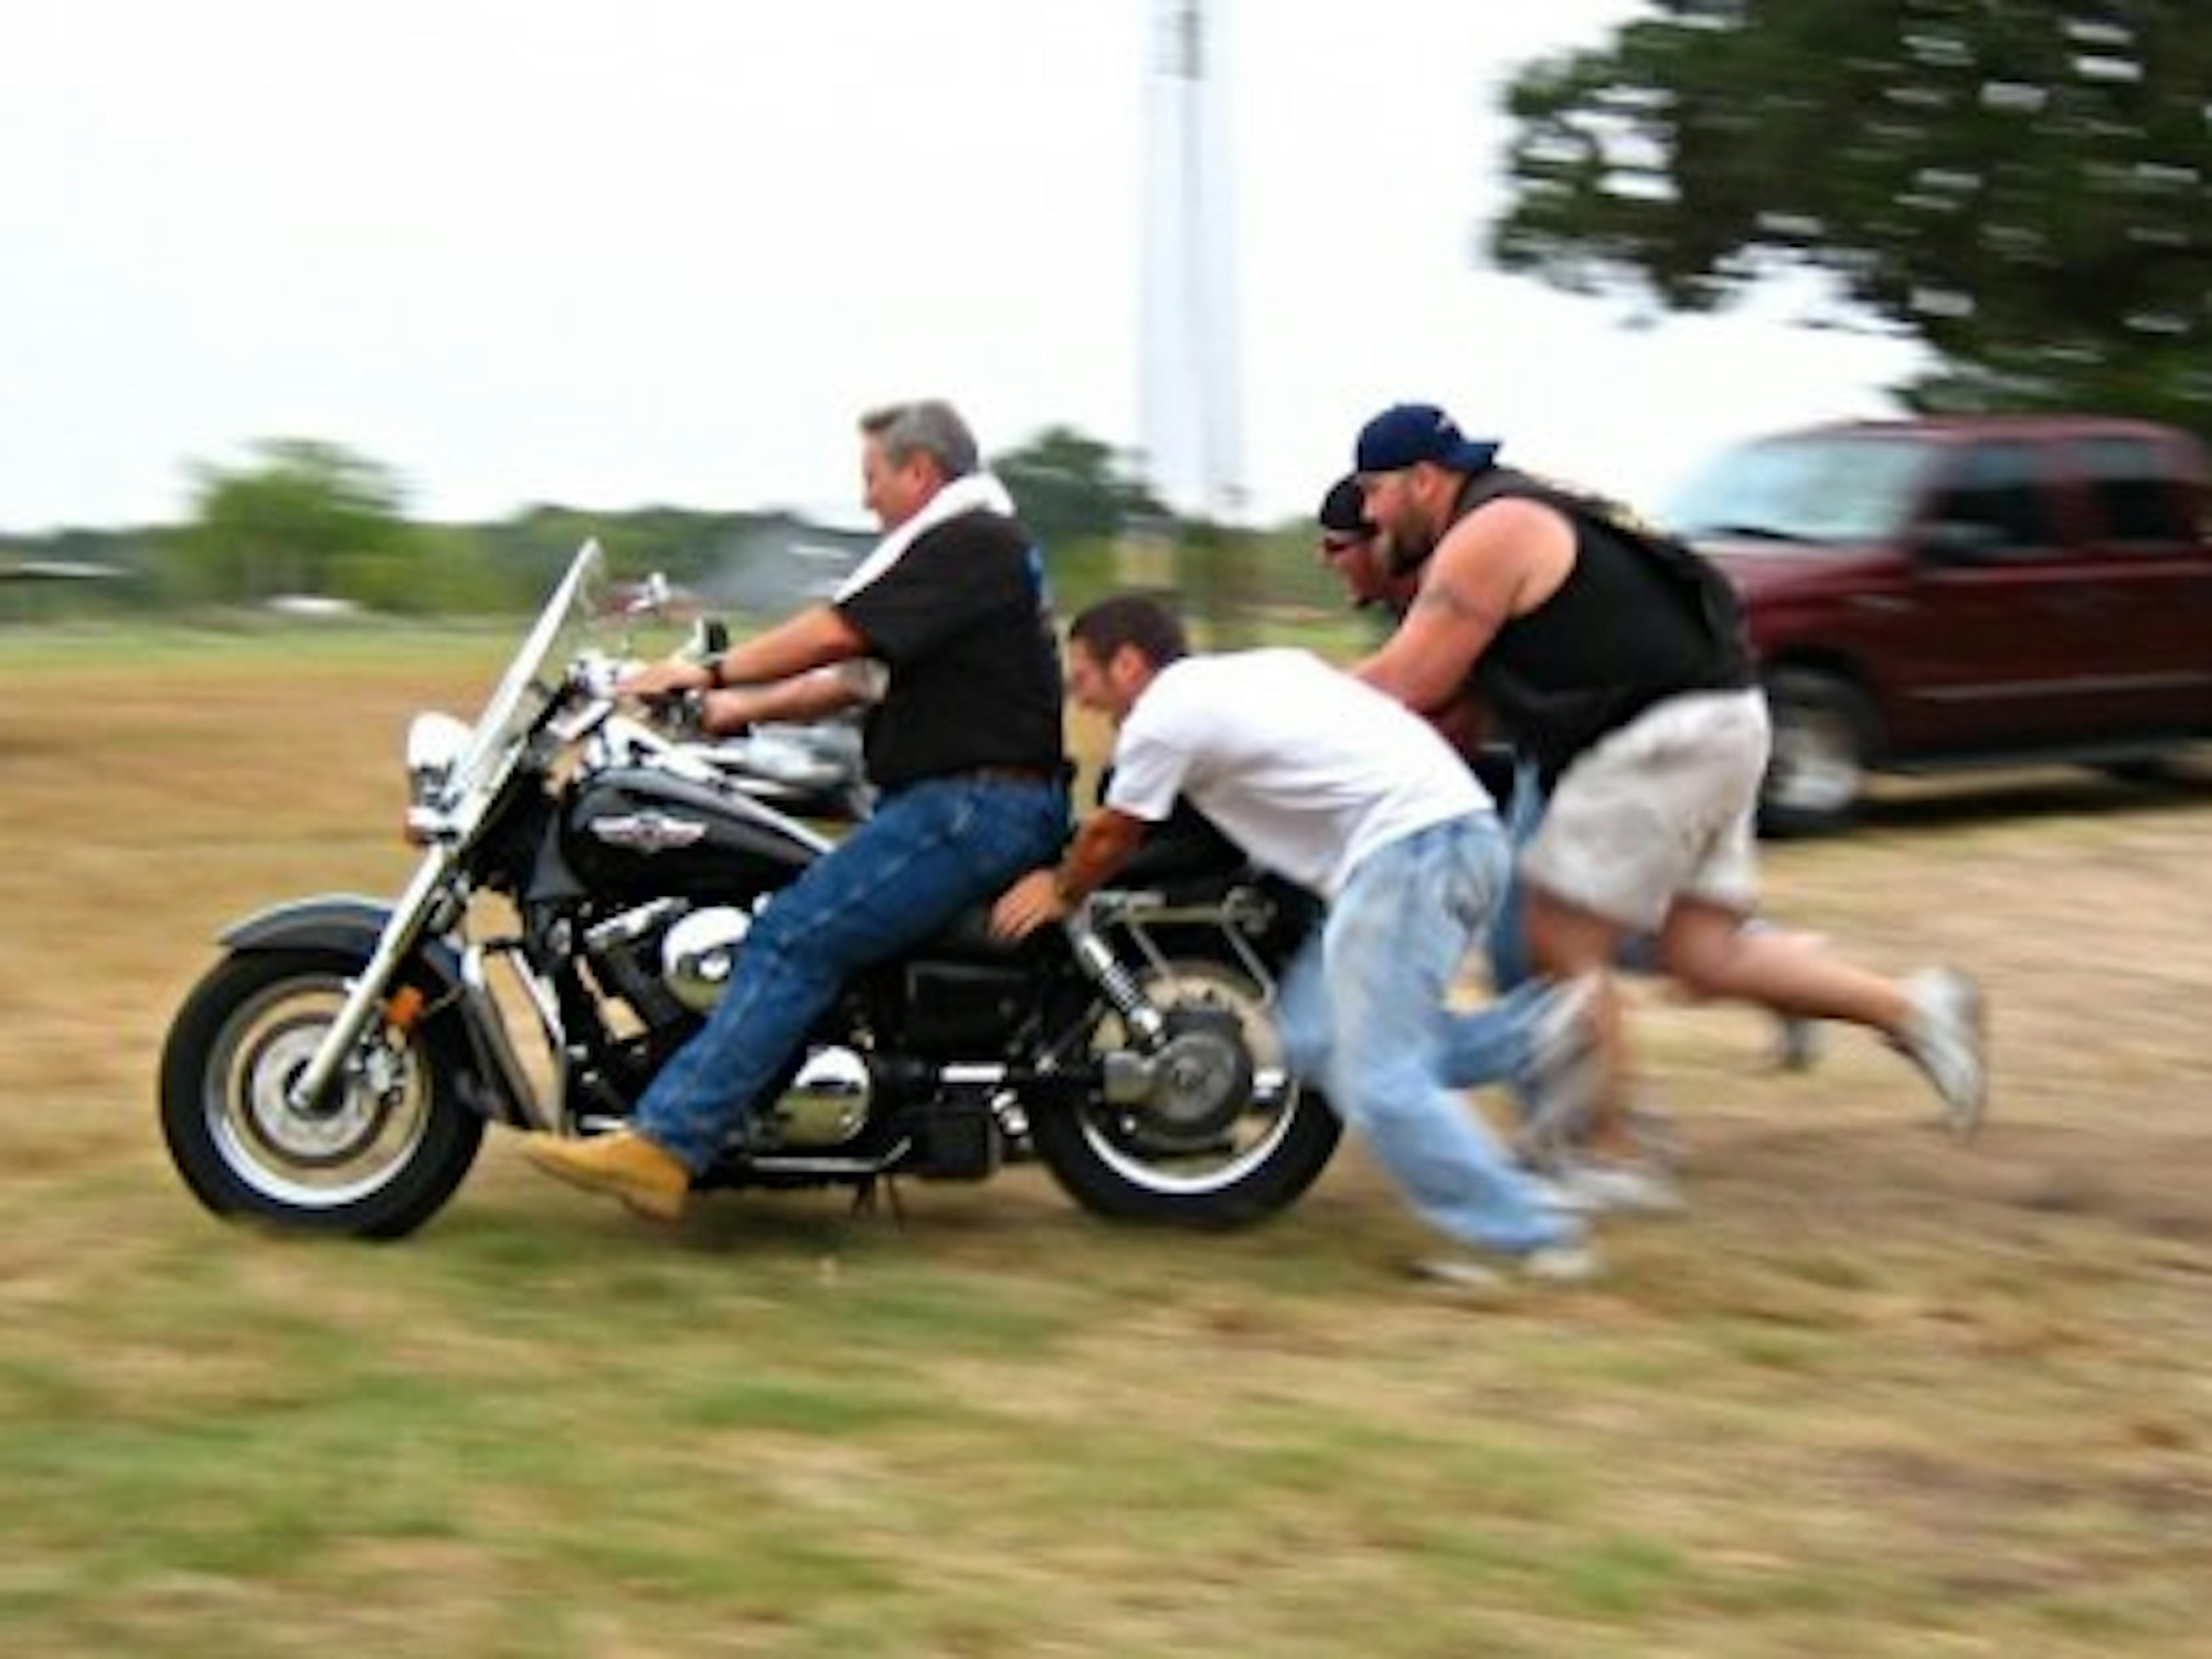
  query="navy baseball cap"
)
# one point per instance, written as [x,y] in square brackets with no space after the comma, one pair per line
[1405,434]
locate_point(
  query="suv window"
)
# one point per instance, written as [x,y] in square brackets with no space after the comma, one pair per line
[2131,489]
[1995,486]
[1815,487]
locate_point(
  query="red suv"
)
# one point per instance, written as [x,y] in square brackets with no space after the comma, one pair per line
[1961,592]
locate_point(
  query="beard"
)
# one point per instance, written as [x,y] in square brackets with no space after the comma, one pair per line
[1401,550]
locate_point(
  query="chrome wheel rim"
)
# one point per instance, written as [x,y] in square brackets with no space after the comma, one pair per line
[1116,1134]
[334,1153]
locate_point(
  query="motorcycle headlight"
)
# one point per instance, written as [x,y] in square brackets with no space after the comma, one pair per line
[436,743]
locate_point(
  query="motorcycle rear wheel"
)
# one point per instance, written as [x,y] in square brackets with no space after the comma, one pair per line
[376,1158]
[1111,1160]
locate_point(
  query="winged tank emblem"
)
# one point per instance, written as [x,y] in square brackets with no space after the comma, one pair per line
[649,832]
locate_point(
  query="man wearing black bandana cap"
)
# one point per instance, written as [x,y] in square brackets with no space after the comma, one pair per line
[1615,657]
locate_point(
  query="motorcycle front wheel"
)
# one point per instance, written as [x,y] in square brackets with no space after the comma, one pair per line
[1225,1140]
[377,1157]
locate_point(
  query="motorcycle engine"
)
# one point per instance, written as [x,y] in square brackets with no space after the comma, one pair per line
[827,1102]
[698,953]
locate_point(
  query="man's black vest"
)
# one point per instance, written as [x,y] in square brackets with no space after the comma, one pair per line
[1640,618]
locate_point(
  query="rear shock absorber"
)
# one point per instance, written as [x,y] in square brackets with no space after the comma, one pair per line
[1147,1026]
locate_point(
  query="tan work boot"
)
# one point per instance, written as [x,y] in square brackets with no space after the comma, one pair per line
[649,1179]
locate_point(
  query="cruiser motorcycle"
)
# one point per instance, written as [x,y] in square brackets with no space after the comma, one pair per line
[590,871]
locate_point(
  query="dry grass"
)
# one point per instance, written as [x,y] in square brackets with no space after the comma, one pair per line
[1875,1395]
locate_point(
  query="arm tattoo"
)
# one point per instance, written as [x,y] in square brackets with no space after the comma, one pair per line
[1445,597]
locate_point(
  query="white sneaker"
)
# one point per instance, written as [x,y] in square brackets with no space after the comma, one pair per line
[1547,1264]
[1560,1264]
[1458,1272]
[1562,1077]
[1593,1186]
[1948,1039]
[1550,1195]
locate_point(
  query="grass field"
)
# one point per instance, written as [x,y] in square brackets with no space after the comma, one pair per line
[1873,1395]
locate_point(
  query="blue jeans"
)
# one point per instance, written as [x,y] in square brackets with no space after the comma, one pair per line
[929,852]
[1507,943]
[1364,1010]
[1491,1044]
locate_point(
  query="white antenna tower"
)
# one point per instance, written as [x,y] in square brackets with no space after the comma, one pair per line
[1193,441]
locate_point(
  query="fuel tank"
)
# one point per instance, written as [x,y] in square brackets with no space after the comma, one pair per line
[634,833]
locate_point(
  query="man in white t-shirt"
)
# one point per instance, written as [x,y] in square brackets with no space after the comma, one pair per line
[1336,786]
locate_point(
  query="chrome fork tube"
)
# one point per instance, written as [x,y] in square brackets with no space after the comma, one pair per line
[362,995]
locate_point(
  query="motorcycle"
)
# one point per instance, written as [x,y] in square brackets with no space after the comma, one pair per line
[592,867]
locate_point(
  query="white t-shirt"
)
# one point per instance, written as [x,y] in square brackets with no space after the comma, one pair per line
[1306,769]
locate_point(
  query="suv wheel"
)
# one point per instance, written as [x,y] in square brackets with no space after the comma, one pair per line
[1817,765]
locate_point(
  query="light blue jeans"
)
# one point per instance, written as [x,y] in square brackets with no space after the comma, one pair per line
[929,851]
[1491,1044]
[1364,1010]
[1506,941]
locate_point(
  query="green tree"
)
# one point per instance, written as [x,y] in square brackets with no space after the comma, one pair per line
[307,517]
[2027,187]
[1072,489]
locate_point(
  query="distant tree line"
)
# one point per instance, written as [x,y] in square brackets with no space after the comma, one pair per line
[2025,188]
[304,517]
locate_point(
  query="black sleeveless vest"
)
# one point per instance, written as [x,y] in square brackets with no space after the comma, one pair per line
[1639,618]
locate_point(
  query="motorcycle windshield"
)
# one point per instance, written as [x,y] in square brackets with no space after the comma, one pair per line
[533,679]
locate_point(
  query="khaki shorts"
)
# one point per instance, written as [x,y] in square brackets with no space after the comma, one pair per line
[1661,810]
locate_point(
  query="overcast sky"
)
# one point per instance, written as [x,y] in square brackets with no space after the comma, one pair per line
[616,253]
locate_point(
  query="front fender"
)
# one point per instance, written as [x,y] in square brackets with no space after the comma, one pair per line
[340,921]
[496,1085]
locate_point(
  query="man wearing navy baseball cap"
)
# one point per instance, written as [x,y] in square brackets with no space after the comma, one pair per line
[1408,436]
[1615,658]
